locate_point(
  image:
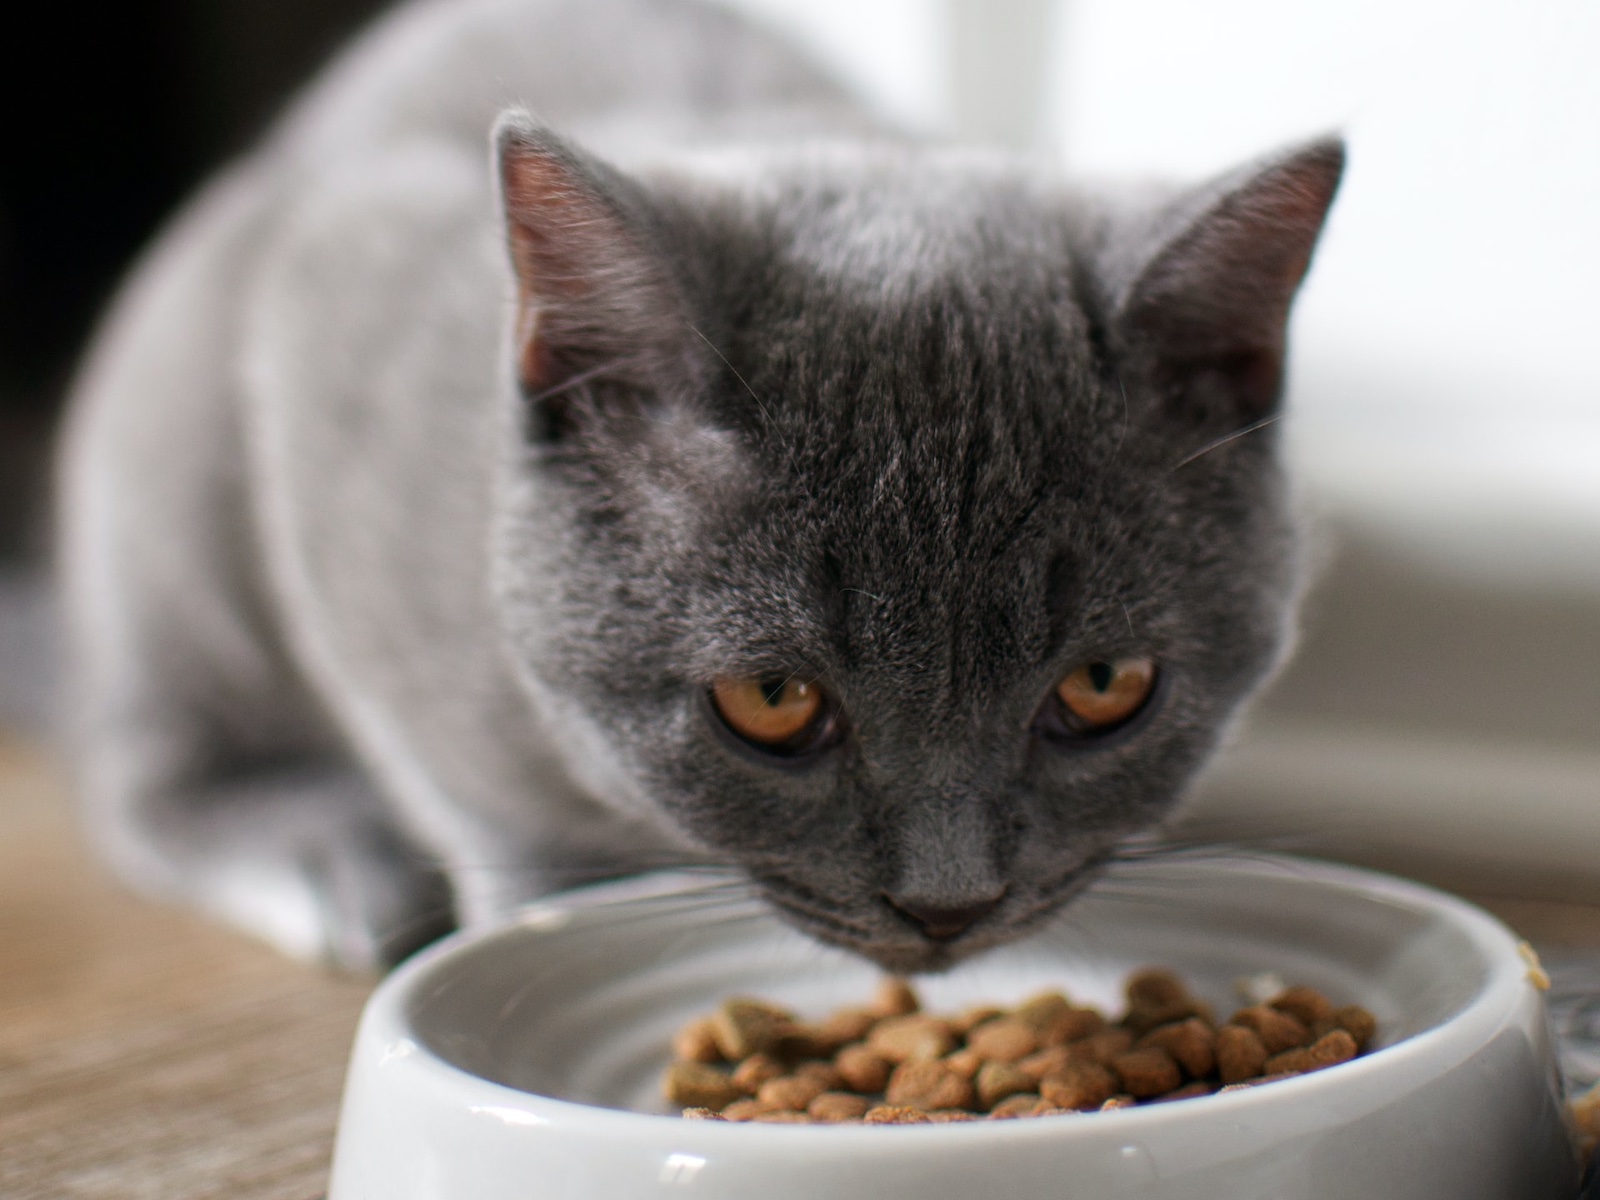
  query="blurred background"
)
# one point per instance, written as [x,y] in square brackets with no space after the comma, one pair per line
[1443,715]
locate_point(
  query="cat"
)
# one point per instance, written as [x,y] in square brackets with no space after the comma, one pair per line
[459,503]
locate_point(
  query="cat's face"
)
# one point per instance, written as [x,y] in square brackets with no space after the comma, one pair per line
[862,514]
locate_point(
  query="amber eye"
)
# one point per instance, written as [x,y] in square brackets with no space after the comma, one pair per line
[786,715]
[1099,696]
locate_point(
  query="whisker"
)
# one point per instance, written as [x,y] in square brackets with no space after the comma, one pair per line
[1269,419]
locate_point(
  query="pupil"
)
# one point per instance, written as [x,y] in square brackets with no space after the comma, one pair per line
[1100,675]
[772,690]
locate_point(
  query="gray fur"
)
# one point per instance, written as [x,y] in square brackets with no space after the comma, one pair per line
[368,636]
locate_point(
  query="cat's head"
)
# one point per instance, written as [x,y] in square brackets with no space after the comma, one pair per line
[898,525]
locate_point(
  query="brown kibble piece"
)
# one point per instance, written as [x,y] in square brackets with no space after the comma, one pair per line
[1156,996]
[1021,1105]
[843,1027]
[749,1075]
[963,1062]
[1116,1102]
[861,1069]
[696,1042]
[1306,1005]
[1040,1013]
[1240,1054]
[1358,1023]
[703,1114]
[1081,1085]
[699,1085]
[1278,1031]
[781,1116]
[910,1037]
[1147,1072]
[1042,1109]
[792,1092]
[824,1073]
[927,1085]
[944,1116]
[895,998]
[888,1114]
[1005,1039]
[1103,1046]
[742,1110]
[1191,1042]
[1331,1049]
[969,1019]
[745,1026]
[997,1080]
[1051,1060]
[833,1107]
[1071,1026]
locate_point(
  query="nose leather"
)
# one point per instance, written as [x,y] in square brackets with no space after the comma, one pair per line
[942,922]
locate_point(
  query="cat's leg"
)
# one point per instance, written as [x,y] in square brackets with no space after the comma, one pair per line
[207,769]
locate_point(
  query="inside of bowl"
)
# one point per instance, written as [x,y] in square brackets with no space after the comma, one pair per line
[580,1003]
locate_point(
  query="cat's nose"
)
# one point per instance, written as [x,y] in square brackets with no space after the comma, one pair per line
[942,922]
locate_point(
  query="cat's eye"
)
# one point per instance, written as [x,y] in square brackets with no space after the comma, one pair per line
[781,715]
[1098,697]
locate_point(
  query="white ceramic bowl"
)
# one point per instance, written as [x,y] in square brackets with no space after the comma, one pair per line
[521,1061]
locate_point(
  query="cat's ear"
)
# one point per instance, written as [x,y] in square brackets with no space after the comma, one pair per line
[1208,309]
[594,301]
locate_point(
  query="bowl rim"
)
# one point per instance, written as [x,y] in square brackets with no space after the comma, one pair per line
[387,1018]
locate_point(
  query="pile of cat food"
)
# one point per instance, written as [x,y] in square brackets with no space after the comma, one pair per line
[891,1063]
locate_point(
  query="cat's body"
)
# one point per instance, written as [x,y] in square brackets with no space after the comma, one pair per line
[381,550]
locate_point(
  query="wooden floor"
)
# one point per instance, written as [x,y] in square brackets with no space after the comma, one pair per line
[146,1055]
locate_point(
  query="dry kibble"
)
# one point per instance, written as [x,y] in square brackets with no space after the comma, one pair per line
[824,1073]
[911,1037]
[1147,1072]
[968,1020]
[699,1085]
[1191,1042]
[888,1114]
[781,1116]
[1022,1105]
[1040,1013]
[845,1026]
[833,1107]
[862,1070]
[997,1080]
[1103,1046]
[1071,1026]
[743,1026]
[1331,1049]
[895,998]
[792,1092]
[1358,1023]
[1240,1054]
[749,1075]
[1306,1005]
[1005,1039]
[927,1085]
[893,1063]
[696,1042]
[963,1062]
[1080,1085]
[1278,1031]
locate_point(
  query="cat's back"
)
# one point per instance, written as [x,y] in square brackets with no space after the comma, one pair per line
[605,71]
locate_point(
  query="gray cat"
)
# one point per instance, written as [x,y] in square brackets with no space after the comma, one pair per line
[453,509]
